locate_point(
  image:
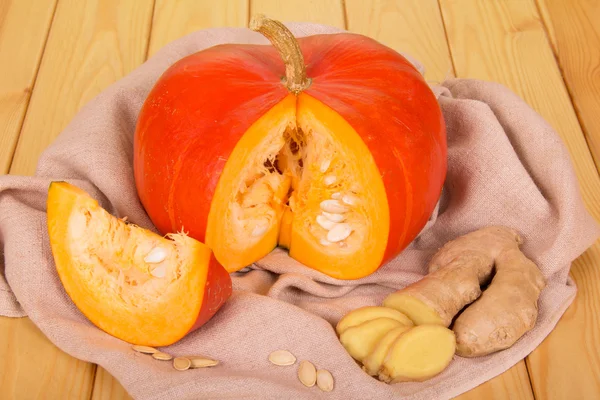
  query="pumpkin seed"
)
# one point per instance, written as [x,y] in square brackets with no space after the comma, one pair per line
[201,362]
[329,180]
[156,255]
[336,196]
[325,166]
[282,357]
[333,217]
[324,380]
[159,355]
[339,232]
[307,373]
[350,199]
[145,349]
[181,363]
[260,229]
[325,223]
[325,242]
[159,272]
[333,206]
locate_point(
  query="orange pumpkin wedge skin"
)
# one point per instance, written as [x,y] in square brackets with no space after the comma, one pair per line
[100,262]
[204,120]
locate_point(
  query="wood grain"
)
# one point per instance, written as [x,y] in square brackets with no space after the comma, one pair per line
[328,12]
[108,388]
[91,44]
[411,27]
[174,19]
[24,26]
[574,29]
[506,42]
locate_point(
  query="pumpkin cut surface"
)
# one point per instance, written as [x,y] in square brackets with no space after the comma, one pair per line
[337,154]
[128,281]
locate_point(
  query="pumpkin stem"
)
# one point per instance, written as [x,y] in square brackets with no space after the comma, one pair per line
[286,44]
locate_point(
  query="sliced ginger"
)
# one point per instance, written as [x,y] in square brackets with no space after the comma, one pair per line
[372,363]
[360,340]
[506,310]
[418,354]
[367,313]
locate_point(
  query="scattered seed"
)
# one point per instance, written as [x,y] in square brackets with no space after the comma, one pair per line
[260,229]
[325,166]
[145,349]
[329,180]
[325,223]
[333,217]
[307,373]
[350,199]
[159,272]
[244,270]
[201,362]
[339,232]
[182,363]
[336,196]
[282,357]
[156,255]
[324,380]
[333,206]
[159,355]
[325,242]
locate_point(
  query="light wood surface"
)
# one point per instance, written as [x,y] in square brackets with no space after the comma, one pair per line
[547,52]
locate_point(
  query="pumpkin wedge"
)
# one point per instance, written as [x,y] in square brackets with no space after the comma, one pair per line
[128,281]
[332,146]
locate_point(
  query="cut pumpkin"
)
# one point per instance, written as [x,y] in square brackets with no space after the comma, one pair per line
[128,281]
[337,154]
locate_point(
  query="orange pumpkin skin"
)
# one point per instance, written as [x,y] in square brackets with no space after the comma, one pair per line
[201,107]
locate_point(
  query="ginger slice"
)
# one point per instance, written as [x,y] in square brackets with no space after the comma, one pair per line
[506,310]
[372,363]
[367,313]
[418,354]
[360,340]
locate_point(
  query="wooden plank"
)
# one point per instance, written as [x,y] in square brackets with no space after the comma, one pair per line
[91,44]
[173,19]
[506,42]
[575,33]
[413,27]
[17,76]
[416,26]
[329,12]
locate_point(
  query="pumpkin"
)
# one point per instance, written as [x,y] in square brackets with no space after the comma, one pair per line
[128,281]
[332,146]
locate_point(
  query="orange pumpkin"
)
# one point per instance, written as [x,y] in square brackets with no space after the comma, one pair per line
[130,282]
[332,146]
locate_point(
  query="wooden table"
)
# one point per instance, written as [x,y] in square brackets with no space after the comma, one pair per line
[55,55]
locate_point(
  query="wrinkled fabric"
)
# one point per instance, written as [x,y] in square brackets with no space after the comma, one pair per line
[506,165]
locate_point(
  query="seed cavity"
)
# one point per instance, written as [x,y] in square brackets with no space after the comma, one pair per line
[333,217]
[282,357]
[159,272]
[333,206]
[156,255]
[339,232]
[325,223]
[336,196]
[260,228]
[329,180]
[324,380]
[325,166]
[350,199]
[181,363]
[307,373]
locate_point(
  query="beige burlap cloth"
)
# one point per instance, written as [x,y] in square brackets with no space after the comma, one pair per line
[506,166]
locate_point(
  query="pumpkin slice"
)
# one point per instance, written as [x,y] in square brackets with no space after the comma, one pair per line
[130,282]
[331,146]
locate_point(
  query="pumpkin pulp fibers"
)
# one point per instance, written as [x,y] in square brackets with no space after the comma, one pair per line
[294,157]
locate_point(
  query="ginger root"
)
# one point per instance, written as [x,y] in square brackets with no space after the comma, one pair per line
[367,313]
[372,363]
[360,340]
[419,354]
[498,318]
